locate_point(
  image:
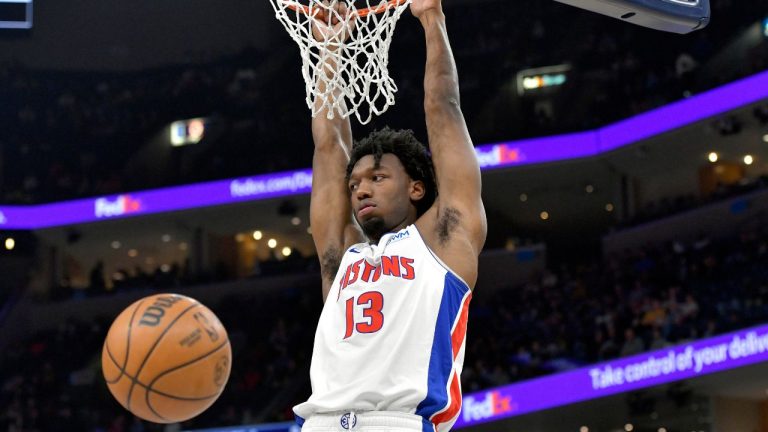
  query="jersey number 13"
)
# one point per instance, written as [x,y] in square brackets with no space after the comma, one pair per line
[371,303]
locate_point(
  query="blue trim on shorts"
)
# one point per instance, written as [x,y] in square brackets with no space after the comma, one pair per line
[426,425]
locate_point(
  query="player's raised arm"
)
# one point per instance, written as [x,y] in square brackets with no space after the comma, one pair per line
[333,229]
[459,205]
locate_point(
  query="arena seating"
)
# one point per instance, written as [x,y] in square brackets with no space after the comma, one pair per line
[75,134]
[644,299]
[52,382]
[72,134]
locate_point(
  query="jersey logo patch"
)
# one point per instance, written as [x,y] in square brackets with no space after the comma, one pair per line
[348,421]
[399,236]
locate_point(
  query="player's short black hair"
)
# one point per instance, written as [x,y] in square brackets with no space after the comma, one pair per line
[412,154]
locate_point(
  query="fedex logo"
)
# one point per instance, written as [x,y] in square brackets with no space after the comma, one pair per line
[510,155]
[487,159]
[500,154]
[122,205]
[493,405]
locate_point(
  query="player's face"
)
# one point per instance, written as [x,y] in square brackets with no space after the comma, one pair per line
[382,197]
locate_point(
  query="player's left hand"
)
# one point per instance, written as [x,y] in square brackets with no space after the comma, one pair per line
[420,8]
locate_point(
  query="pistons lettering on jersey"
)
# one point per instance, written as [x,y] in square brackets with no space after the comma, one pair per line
[392,266]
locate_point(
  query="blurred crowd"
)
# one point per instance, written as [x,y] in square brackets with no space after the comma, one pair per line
[171,276]
[74,134]
[46,385]
[68,134]
[668,206]
[626,304]
[643,300]
[65,135]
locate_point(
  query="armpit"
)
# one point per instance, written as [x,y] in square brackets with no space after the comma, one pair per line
[329,263]
[447,222]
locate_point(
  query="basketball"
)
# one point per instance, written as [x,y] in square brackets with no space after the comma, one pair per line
[166,358]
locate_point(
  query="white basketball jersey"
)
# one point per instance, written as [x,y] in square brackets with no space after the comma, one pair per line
[391,335]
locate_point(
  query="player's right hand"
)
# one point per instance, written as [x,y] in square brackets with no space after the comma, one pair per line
[332,22]
[422,8]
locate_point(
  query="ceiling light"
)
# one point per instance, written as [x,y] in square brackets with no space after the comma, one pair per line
[165,238]
[10,243]
[523,197]
[257,235]
[272,243]
[583,429]
[286,251]
[133,253]
[295,221]
[629,427]
[661,429]
[590,189]
[116,244]
[749,160]
[544,215]
[713,157]
[765,138]
[609,207]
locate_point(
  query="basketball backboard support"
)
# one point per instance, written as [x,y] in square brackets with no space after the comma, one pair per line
[676,16]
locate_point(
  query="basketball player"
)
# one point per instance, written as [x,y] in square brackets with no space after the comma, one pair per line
[389,346]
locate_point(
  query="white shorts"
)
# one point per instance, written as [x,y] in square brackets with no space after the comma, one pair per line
[368,421]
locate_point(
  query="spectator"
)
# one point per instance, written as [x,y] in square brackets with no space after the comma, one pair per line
[632,345]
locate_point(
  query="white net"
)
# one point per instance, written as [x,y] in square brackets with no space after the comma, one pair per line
[344,60]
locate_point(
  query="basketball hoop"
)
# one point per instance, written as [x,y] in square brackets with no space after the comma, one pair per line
[346,73]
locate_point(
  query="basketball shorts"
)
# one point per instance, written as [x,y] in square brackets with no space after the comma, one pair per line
[370,421]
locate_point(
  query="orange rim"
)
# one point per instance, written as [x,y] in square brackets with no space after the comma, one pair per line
[360,12]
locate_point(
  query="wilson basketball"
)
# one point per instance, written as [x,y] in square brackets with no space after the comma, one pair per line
[166,358]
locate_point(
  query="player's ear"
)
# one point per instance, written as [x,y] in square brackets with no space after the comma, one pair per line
[417,190]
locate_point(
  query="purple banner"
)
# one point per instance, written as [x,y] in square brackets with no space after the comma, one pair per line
[687,361]
[678,114]
[507,154]
[538,150]
[157,201]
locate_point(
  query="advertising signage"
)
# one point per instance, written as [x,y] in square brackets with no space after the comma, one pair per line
[501,155]
[654,368]
[157,201]
[685,361]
